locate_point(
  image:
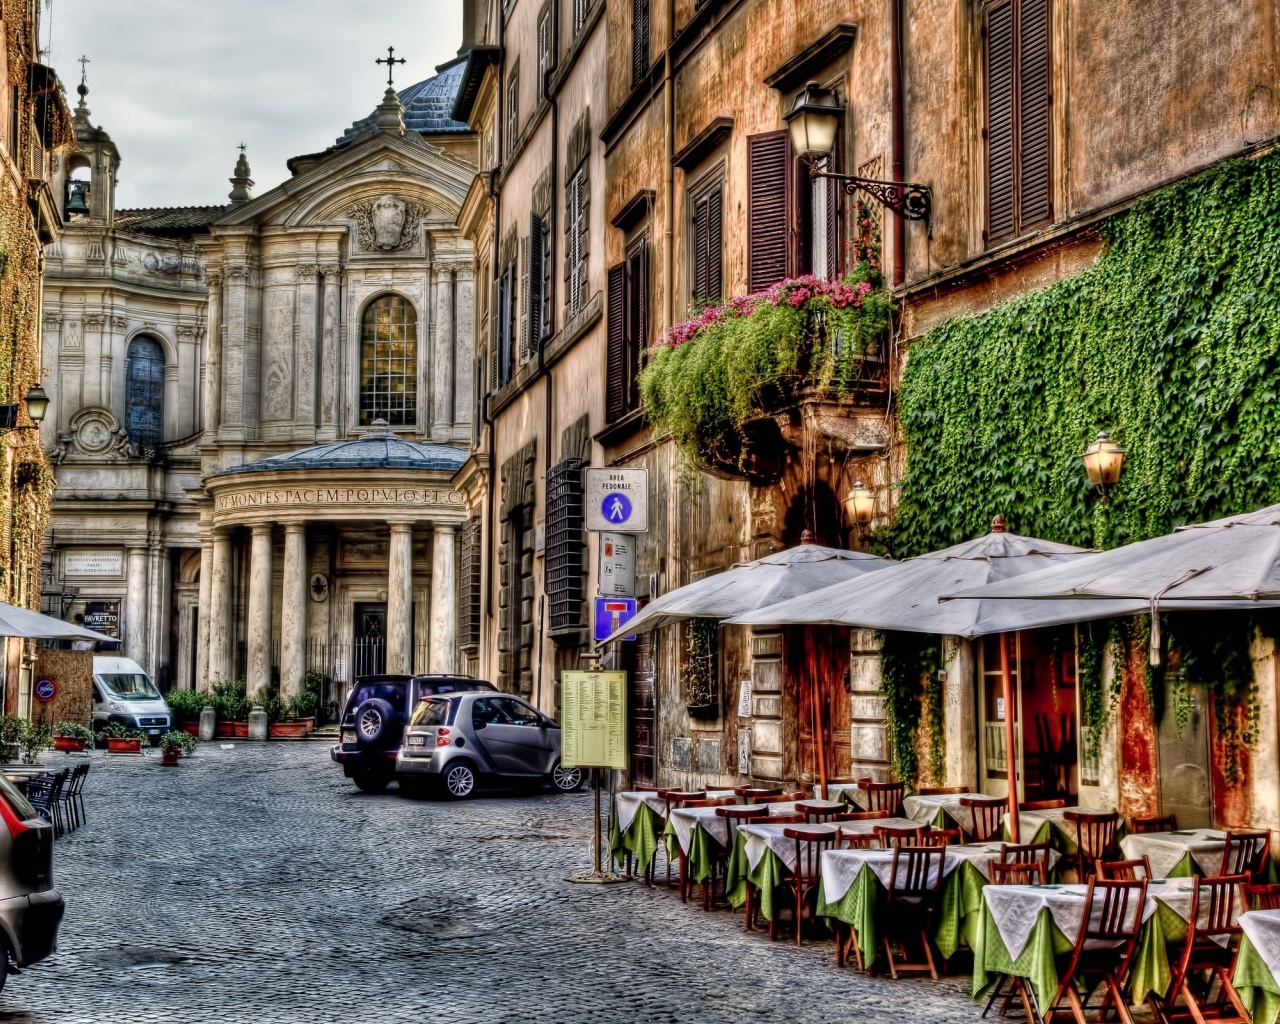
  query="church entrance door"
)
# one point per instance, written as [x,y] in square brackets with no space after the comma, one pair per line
[369,654]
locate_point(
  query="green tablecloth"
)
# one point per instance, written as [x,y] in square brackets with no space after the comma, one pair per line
[701,846]
[1255,985]
[1038,964]
[766,876]
[640,838]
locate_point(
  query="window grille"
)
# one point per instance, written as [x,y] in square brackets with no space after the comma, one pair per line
[389,362]
[565,564]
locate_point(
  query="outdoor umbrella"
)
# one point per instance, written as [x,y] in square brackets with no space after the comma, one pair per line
[23,622]
[905,596]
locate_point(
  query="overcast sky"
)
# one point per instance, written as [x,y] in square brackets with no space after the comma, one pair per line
[179,83]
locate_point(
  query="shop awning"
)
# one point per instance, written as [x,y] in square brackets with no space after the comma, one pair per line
[777,577]
[22,622]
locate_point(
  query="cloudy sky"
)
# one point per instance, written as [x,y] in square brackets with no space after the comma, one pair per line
[179,83]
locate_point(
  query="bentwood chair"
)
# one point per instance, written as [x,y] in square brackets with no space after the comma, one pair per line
[1103,952]
[1163,823]
[987,813]
[805,878]
[1209,951]
[1095,833]
[1245,852]
[912,900]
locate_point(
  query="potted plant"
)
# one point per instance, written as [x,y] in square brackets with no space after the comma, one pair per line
[298,718]
[10,736]
[33,739]
[186,706]
[71,737]
[172,746]
[231,704]
[122,740]
[702,699]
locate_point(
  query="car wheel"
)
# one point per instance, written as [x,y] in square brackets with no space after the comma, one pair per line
[459,780]
[566,780]
[373,720]
[371,782]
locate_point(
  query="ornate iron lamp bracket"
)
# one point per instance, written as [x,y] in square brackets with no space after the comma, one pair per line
[911,202]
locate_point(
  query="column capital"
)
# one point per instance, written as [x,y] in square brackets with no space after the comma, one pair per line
[295,528]
[445,527]
[397,527]
[263,529]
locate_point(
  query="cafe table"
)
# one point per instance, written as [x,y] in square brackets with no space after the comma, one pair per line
[1258,965]
[1051,826]
[848,792]
[637,824]
[941,810]
[692,829]
[1180,854]
[1022,929]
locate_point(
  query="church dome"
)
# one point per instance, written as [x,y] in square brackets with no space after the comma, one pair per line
[373,451]
[427,105]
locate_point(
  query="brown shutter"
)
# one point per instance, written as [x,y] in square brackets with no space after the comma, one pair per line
[642,326]
[534,285]
[700,249]
[1035,200]
[768,208]
[639,40]
[615,372]
[999,31]
[715,245]
[495,330]
[526,343]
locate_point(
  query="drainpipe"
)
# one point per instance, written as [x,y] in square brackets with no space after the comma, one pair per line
[553,223]
[669,185]
[896,172]
[496,196]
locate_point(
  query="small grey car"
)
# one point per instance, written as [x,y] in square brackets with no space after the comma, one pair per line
[457,740]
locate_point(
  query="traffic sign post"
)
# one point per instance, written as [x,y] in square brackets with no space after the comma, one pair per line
[46,689]
[612,612]
[617,500]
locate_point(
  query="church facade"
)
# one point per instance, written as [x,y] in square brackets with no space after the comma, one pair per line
[260,408]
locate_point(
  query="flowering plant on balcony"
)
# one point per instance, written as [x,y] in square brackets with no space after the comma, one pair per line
[733,362]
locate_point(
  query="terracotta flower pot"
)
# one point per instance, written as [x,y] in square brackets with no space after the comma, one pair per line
[68,744]
[191,727]
[116,745]
[293,729]
[170,755]
[240,729]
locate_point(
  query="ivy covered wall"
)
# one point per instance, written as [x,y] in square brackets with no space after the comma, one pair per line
[1169,342]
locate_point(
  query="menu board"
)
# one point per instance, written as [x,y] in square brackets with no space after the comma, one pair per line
[593,719]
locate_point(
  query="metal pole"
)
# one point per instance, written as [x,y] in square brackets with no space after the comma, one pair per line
[595,775]
[1011,754]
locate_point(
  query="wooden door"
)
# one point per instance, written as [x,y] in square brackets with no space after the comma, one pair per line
[817,666]
[643,685]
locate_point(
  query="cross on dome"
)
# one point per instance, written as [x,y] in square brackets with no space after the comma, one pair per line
[391,60]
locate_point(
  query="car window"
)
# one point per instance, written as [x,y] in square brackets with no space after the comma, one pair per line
[17,801]
[430,712]
[129,686]
[517,711]
[392,693]
[485,711]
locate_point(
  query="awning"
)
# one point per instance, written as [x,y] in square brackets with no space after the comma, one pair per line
[22,622]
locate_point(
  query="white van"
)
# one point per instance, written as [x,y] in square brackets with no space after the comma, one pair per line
[123,693]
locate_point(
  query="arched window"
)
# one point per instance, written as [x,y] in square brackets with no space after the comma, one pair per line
[389,362]
[144,392]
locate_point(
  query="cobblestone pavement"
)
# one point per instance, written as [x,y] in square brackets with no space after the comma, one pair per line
[256,884]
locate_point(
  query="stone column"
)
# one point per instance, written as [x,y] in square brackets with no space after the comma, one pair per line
[293,616]
[135,606]
[213,355]
[202,614]
[442,358]
[444,621]
[330,357]
[304,352]
[219,629]
[400,599]
[259,624]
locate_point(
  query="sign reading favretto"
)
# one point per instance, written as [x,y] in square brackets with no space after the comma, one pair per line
[321,497]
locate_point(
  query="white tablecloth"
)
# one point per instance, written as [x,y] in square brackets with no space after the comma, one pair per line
[1263,929]
[685,819]
[926,808]
[1030,822]
[1164,849]
[628,804]
[1015,909]
[841,867]
[849,792]
[761,837]
[816,806]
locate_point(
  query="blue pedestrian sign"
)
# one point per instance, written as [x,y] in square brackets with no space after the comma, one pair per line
[616,508]
[617,500]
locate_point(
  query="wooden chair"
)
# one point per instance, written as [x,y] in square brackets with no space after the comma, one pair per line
[1124,870]
[1095,839]
[1209,949]
[861,815]
[915,890]
[1262,897]
[1029,872]
[805,878]
[885,796]
[1024,873]
[817,813]
[1041,805]
[780,798]
[750,794]
[786,819]
[740,813]
[941,790]
[856,840]
[988,816]
[1245,852]
[1142,826]
[892,836]
[1026,853]
[1110,933]
[676,798]
[944,837]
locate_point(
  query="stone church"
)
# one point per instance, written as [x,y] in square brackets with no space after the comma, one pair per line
[258,408]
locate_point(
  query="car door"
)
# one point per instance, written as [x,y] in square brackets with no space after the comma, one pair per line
[537,742]
[503,740]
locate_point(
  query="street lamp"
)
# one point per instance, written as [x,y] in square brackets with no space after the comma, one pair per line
[814,120]
[860,505]
[37,403]
[1103,461]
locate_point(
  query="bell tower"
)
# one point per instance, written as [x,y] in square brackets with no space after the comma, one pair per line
[88,172]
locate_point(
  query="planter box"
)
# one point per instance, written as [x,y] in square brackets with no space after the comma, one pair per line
[170,756]
[189,727]
[703,712]
[121,746]
[231,730]
[68,744]
[294,729]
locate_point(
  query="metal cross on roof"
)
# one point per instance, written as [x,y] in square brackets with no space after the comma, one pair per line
[84,71]
[390,60]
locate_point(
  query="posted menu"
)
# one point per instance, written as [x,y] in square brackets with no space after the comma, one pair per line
[593,719]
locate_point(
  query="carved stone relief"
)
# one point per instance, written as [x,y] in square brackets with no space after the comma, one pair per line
[389,224]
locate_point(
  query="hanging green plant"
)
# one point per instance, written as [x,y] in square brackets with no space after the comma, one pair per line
[700,638]
[909,685]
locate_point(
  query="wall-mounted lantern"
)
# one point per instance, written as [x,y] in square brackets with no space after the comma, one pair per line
[37,402]
[1103,461]
[860,505]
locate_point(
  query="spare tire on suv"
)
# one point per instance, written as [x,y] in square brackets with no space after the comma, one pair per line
[377,722]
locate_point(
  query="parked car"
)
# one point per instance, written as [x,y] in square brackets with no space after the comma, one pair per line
[373,722]
[124,693]
[30,907]
[458,740]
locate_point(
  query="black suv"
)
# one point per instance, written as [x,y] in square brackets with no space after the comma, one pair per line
[374,719]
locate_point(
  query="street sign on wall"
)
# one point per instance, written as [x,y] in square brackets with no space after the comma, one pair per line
[612,612]
[593,719]
[617,499]
[617,565]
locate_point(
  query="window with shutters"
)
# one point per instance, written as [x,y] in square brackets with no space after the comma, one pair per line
[544,48]
[389,362]
[565,563]
[526,343]
[470,585]
[575,240]
[639,40]
[1017,72]
[580,8]
[535,284]
[706,244]
[513,112]
[504,342]
[770,209]
[627,330]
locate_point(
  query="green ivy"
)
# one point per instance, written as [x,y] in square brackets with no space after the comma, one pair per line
[909,682]
[700,639]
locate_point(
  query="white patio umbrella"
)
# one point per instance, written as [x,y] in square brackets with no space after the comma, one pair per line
[906,596]
[23,622]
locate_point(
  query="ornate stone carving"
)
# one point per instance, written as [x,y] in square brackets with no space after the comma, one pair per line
[71,336]
[331,269]
[213,278]
[95,431]
[52,319]
[187,331]
[388,225]
[236,270]
[120,323]
[166,263]
[94,321]
[303,271]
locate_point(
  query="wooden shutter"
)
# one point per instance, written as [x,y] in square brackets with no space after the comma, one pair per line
[526,345]
[769,203]
[502,348]
[641,340]
[544,49]
[1001,169]
[715,244]
[616,344]
[1034,122]
[534,283]
[700,249]
[639,40]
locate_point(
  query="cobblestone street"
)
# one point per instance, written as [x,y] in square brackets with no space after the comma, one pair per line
[256,884]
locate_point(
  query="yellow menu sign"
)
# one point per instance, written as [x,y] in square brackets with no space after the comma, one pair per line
[593,719]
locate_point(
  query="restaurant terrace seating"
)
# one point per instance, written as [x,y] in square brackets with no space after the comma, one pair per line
[1014,873]
[805,877]
[1026,853]
[1245,852]
[914,892]
[987,814]
[885,796]
[1262,897]
[1095,836]
[941,790]
[943,837]
[892,836]
[1165,823]
[1041,805]
[1123,870]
